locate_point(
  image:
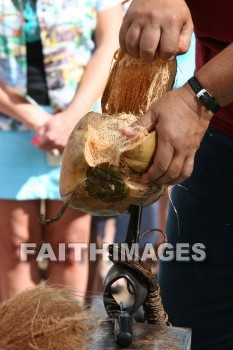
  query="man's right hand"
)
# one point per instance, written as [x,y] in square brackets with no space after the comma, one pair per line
[181,121]
[164,26]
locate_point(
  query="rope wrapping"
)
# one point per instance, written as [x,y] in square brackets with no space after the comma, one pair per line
[154,312]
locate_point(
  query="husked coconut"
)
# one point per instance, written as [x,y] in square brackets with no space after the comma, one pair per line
[101,168]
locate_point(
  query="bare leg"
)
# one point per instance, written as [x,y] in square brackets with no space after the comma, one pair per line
[109,235]
[98,269]
[18,224]
[74,227]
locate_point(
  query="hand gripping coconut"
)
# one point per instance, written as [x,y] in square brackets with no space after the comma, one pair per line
[101,167]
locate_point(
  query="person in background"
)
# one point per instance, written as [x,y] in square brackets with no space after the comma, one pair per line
[55,58]
[195,146]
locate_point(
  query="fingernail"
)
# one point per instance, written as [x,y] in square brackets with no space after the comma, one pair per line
[171,58]
[129,130]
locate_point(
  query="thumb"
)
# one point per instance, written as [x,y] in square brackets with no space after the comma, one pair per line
[147,121]
[185,38]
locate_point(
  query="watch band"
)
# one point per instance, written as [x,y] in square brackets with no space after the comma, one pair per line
[204,95]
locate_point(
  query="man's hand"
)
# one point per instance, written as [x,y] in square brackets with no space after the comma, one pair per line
[180,121]
[164,26]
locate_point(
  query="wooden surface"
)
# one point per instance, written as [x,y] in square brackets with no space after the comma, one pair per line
[146,337]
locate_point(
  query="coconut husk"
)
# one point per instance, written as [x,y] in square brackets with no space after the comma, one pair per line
[45,318]
[101,168]
[134,84]
[99,173]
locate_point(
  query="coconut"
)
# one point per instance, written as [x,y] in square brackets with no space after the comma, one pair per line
[101,168]
[45,318]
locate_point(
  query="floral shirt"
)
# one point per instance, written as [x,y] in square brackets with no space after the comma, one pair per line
[66,32]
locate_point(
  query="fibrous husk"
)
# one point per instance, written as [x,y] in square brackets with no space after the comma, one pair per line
[134,84]
[101,168]
[45,318]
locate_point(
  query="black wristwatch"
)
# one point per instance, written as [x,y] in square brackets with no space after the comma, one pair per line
[204,95]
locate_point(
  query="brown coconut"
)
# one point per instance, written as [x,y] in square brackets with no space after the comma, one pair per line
[45,318]
[101,167]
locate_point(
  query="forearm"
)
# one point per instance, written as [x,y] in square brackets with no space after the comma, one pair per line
[60,127]
[217,76]
[15,106]
[93,82]
[97,70]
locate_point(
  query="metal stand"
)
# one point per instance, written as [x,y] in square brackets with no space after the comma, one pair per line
[122,332]
[136,284]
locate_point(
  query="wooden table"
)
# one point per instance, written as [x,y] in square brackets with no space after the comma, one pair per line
[145,337]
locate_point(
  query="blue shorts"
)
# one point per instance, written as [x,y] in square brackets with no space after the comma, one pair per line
[25,173]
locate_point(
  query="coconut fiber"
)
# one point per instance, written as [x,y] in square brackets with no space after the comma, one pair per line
[45,318]
[134,84]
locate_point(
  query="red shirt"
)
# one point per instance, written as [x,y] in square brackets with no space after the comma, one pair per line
[213,26]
